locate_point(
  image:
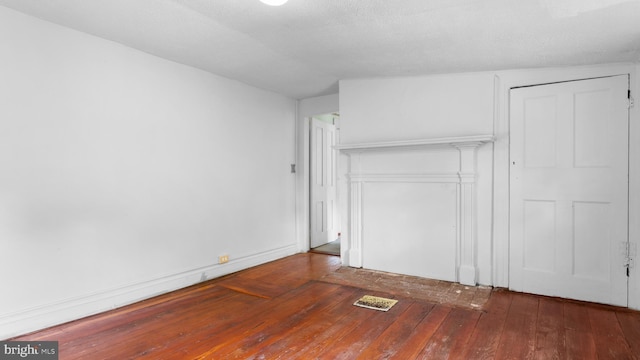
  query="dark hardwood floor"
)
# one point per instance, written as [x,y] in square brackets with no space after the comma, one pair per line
[287,309]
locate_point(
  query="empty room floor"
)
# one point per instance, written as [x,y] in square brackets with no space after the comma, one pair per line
[301,307]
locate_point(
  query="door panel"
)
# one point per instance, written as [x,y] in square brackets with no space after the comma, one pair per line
[539,238]
[323,189]
[569,189]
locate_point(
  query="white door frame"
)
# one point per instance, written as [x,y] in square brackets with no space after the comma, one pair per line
[303,191]
[328,190]
[305,109]
[503,82]
[560,267]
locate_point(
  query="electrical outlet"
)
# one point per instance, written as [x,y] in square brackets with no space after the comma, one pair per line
[223,259]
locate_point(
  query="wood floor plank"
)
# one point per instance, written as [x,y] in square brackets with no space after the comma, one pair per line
[306,266]
[578,336]
[123,330]
[518,335]
[579,345]
[630,325]
[608,336]
[103,321]
[191,330]
[423,333]
[486,336]
[171,329]
[288,310]
[313,330]
[358,339]
[261,289]
[213,336]
[268,333]
[328,337]
[452,337]
[576,316]
[550,333]
[278,310]
[391,341]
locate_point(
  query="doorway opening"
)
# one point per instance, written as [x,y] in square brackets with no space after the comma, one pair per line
[323,209]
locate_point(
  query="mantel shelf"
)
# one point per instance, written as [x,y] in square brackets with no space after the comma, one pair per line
[459,141]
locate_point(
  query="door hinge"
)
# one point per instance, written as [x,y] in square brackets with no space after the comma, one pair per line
[630,101]
[628,250]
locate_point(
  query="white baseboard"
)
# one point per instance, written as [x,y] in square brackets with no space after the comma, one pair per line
[26,321]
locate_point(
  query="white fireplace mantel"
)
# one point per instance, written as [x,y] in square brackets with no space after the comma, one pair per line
[459,141]
[465,178]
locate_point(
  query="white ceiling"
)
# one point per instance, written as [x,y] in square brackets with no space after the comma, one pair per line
[303,48]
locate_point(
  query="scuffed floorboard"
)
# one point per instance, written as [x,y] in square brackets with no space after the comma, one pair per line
[436,291]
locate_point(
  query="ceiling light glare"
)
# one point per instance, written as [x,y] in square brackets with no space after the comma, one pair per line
[274,2]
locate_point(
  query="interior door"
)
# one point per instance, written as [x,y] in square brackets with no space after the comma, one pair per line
[323,187]
[569,189]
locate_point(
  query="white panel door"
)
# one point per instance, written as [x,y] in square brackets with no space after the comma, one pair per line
[569,189]
[323,187]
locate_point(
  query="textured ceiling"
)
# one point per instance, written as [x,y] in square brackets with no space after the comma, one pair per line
[303,48]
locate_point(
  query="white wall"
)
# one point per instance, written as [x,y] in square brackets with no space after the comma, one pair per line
[398,109]
[318,105]
[394,109]
[123,175]
[416,107]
